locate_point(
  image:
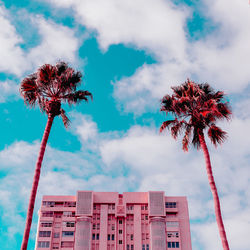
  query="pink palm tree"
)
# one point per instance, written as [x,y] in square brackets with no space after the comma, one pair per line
[48,87]
[196,107]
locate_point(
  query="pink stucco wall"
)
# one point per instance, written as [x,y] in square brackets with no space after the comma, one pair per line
[109,221]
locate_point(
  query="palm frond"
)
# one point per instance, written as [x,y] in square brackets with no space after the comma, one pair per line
[28,89]
[216,135]
[45,74]
[166,124]
[166,103]
[225,110]
[176,128]
[65,119]
[219,95]
[78,96]
[61,67]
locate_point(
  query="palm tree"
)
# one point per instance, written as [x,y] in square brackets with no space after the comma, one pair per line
[48,87]
[196,107]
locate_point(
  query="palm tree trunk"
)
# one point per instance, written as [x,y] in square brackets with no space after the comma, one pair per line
[214,193]
[35,183]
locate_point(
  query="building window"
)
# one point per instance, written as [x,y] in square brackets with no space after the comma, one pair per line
[70,204]
[56,235]
[113,227]
[43,244]
[97,236]
[127,247]
[67,244]
[130,207]
[68,224]
[58,214]
[131,237]
[67,233]
[120,242]
[113,237]
[173,245]
[120,221]
[143,247]
[47,214]
[132,247]
[108,236]
[59,204]
[146,207]
[46,224]
[93,226]
[44,233]
[147,247]
[55,246]
[173,234]
[120,231]
[170,204]
[98,226]
[146,217]
[68,214]
[93,236]
[49,203]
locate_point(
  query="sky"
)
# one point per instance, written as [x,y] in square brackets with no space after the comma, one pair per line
[130,53]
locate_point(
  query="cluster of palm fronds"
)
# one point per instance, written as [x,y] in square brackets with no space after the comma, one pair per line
[52,84]
[195,107]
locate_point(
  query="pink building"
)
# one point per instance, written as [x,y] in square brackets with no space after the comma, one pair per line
[109,220]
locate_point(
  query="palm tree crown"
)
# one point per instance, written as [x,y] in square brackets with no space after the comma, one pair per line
[52,84]
[195,108]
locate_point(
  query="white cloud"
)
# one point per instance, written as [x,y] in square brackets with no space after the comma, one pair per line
[237,232]
[143,91]
[57,42]
[86,128]
[222,57]
[8,89]
[11,54]
[147,25]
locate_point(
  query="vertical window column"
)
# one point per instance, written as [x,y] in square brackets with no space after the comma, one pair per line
[157,231]
[103,226]
[83,233]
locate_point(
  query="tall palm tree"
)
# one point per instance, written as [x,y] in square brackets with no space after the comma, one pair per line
[48,87]
[196,107]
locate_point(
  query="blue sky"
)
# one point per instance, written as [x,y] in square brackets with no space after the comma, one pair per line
[130,52]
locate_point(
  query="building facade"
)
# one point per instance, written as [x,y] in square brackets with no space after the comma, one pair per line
[112,221]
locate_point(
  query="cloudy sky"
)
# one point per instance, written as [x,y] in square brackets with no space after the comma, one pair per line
[130,52]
